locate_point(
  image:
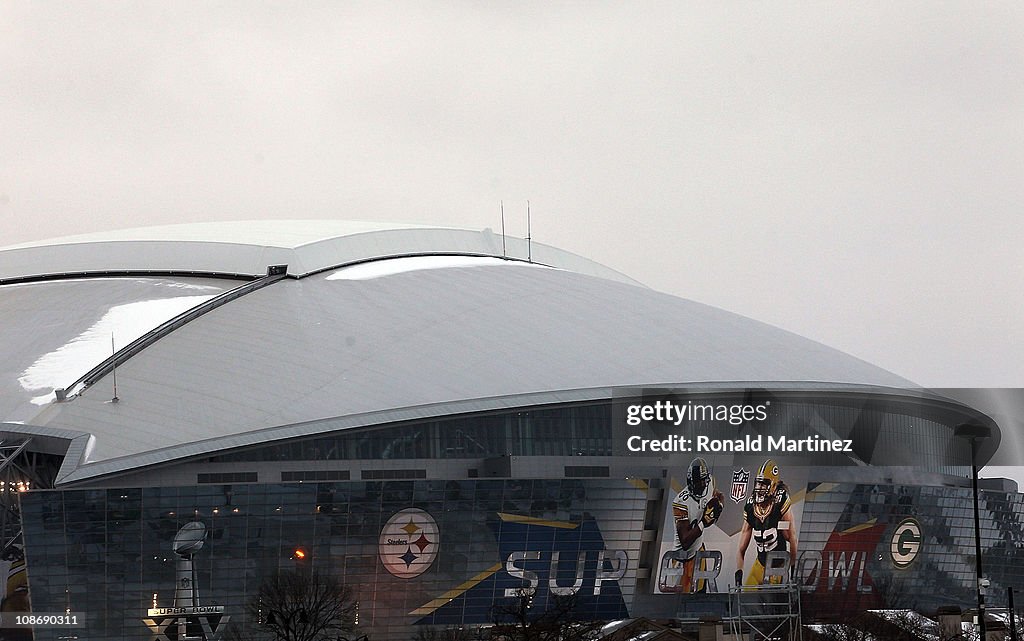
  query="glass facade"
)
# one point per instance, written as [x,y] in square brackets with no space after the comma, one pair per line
[108,553]
[882,432]
[583,430]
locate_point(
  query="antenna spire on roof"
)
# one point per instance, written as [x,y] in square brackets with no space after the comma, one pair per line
[529,250]
[113,367]
[501,206]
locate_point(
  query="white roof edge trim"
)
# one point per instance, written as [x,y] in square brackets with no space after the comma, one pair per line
[39,430]
[77,452]
[174,454]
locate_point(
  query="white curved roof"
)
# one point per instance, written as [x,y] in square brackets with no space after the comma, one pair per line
[247,248]
[386,339]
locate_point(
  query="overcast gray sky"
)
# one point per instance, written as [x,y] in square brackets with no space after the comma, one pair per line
[852,172]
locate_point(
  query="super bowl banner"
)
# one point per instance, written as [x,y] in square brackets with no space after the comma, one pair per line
[845,545]
[733,523]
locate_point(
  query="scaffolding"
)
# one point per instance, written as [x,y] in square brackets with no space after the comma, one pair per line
[766,612]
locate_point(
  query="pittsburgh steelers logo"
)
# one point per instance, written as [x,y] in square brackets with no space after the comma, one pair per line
[409,543]
[906,543]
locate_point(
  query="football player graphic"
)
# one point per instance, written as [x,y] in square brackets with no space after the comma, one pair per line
[696,508]
[766,519]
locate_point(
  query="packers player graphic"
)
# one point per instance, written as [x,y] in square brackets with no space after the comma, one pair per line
[766,519]
[696,508]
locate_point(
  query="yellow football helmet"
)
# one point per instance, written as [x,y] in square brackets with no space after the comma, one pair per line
[766,483]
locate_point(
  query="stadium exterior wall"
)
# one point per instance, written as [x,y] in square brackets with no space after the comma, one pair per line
[575,515]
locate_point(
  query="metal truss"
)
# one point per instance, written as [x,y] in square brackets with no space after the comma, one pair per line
[766,612]
[20,470]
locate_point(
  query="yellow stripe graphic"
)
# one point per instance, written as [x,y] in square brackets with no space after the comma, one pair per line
[822,488]
[639,484]
[530,520]
[858,528]
[457,591]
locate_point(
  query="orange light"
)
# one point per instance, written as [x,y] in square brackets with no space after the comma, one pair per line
[300,553]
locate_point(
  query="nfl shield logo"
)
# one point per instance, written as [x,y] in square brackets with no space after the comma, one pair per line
[740,478]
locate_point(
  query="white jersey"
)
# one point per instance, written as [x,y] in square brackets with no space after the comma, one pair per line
[688,507]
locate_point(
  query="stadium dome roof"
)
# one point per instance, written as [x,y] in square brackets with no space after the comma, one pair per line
[370,324]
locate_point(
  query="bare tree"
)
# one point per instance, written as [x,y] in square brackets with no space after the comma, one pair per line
[517,620]
[451,633]
[874,626]
[303,606]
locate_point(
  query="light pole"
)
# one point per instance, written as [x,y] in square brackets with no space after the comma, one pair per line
[1013,615]
[976,433]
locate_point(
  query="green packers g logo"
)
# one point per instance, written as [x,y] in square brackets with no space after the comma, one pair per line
[906,543]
